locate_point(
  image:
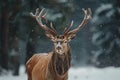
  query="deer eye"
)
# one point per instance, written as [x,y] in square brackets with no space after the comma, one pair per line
[56,42]
[61,42]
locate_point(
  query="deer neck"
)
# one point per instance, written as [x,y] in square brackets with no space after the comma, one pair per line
[60,64]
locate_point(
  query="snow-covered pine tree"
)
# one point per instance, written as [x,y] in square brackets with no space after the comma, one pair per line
[106,34]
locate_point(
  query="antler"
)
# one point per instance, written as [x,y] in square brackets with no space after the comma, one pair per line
[87,17]
[38,16]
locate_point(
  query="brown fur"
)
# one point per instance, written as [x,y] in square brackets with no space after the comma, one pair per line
[50,66]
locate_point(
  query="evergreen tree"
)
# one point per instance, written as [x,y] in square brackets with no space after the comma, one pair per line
[106,33]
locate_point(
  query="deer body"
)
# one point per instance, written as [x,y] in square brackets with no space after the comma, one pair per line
[44,69]
[49,66]
[54,65]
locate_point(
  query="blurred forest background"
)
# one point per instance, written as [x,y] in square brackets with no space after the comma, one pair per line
[97,44]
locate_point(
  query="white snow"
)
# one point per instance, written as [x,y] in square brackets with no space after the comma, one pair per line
[92,73]
[82,73]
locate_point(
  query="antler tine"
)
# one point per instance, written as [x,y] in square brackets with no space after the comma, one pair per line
[51,25]
[31,14]
[38,16]
[41,13]
[90,12]
[65,30]
[37,11]
[69,28]
[87,17]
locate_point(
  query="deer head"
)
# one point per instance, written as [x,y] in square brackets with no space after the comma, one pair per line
[61,42]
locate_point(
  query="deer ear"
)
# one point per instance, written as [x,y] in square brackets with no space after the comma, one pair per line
[70,37]
[50,36]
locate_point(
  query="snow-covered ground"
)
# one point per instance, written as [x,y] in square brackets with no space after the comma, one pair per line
[82,73]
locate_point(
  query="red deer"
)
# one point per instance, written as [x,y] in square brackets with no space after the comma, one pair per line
[54,65]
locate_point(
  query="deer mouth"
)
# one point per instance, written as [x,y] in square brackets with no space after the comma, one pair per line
[59,51]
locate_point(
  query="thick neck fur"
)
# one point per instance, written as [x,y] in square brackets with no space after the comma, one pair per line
[60,64]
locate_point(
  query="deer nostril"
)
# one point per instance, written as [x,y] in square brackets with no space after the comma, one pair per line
[58,47]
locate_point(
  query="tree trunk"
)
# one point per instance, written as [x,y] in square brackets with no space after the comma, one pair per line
[4,36]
